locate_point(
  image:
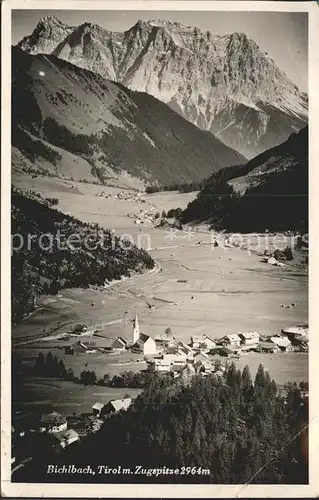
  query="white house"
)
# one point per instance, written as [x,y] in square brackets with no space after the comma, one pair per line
[232,340]
[160,365]
[175,359]
[163,340]
[97,409]
[202,342]
[249,338]
[283,343]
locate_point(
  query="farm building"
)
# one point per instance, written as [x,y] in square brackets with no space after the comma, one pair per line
[249,338]
[225,351]
[119,344]
[117,405]
[84,347]
[185,348]
[160,365]
[53,422]
[202,342]
[67,437]
[293,331]
[163,340]
[176,359]
[97,409]
[201,356]
[267,347]
[232,340]
[283,343]
[145,344]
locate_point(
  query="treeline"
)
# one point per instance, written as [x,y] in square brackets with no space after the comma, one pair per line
[240,430]
[185,187]
[63,253]
[51,366]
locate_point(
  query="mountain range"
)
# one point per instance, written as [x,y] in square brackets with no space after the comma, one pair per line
[68,121]
[269,192]
[223,84]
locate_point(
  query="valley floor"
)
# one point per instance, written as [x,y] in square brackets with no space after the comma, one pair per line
[196,289]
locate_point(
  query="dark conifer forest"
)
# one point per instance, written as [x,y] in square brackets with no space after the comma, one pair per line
[241,430]
[69,254]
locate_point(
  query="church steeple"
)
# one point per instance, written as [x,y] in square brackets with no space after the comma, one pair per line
[136,330]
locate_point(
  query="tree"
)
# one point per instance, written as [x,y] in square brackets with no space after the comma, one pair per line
[88,377]
[39,365]
[168,331]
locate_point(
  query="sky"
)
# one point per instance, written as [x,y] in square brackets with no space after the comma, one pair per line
[283,35]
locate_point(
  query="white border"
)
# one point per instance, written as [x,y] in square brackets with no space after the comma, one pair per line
[152,491]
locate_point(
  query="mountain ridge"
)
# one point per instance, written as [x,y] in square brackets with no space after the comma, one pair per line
[197,73]
[269,192]
[114,129]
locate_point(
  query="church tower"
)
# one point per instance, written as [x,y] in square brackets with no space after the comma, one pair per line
[136,330]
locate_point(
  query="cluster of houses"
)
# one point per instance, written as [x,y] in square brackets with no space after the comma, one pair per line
[294,338]
[50,430]
[54,424]
[203,354]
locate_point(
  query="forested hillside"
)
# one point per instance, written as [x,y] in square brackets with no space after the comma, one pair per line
[239,429]
[269,192]
[54,259]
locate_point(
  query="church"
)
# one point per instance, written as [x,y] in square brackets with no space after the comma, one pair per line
[141,342]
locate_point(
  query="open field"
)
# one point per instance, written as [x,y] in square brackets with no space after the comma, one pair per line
[196,289]
[66,397]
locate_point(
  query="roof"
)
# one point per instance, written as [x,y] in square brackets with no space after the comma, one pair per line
[174,357]
[301,329]
[66,435]
[98,406]
[267,345]
[161,362]
[53,418]
[177,368]
[226,350]
[201,355]
[302,338]
[249,335]
[120,340]
[142,339]
[233,337]
[184,346]
[121,404]
[281,341]
[163,336]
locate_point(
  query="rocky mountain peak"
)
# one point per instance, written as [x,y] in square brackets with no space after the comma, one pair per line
[224,84]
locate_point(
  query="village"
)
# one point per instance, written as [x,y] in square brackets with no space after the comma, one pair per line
[164,355]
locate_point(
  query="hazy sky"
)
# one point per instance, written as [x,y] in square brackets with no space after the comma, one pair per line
[284,35]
